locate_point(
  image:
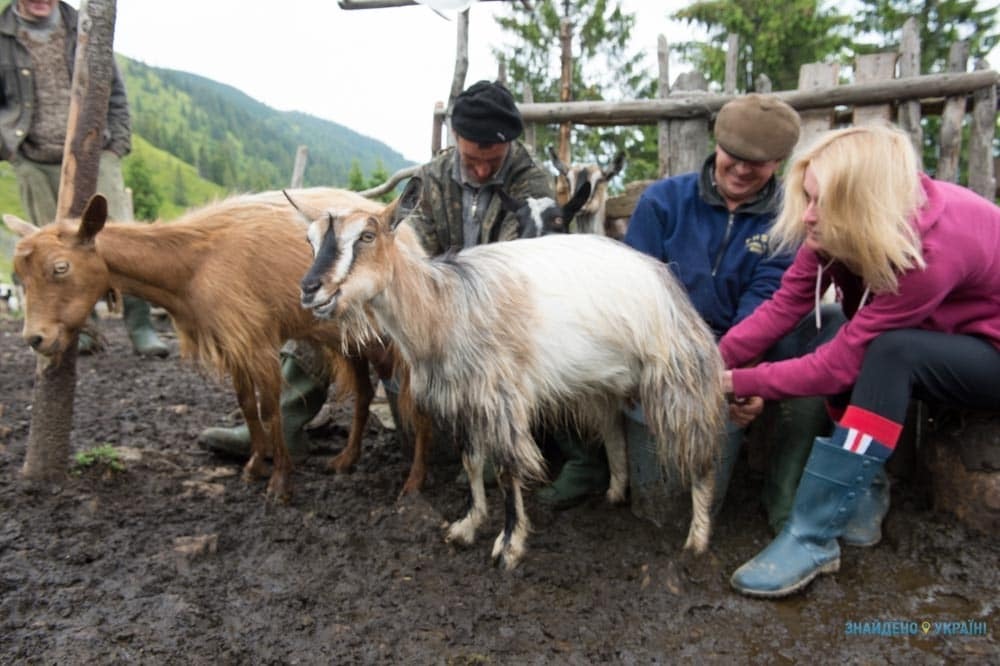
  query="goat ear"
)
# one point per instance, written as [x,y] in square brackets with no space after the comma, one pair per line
[615,167]
[309,214]
[93,219]
[577,202]
[19,226]
[509,203]
[556,162]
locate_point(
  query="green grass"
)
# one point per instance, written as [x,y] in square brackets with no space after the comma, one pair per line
[103,457]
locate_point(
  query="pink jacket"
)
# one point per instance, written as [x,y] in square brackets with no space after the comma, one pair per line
[958,292]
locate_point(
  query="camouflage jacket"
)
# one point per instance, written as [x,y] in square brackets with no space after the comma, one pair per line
[438,218]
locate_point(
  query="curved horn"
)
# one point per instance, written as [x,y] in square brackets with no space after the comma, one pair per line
[557,163]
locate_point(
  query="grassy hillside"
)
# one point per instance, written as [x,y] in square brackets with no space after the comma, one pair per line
[199,140]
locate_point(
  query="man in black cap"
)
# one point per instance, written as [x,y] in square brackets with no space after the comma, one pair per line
[458,203]
[458,208]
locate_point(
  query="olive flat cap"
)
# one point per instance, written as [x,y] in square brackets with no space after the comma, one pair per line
[486,113]
[757,128]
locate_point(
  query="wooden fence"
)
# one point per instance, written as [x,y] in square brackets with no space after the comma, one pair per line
[886,86]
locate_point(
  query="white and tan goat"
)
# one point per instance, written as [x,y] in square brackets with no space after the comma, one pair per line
[590,218]
[497,338]
[228,274]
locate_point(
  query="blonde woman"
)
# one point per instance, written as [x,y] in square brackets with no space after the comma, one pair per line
[916,263]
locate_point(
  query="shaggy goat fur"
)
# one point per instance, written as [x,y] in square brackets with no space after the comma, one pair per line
[227,273]
[497,338]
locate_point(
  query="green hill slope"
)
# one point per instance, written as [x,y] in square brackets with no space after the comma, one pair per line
[199,140]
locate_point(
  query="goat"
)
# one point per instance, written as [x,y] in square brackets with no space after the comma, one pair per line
[497,338]
[540,216]
[227,274]
[590,219]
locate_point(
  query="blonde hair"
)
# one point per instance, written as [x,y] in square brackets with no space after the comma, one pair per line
[868,194]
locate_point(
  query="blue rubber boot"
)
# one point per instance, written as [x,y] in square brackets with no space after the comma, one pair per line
[832,483]
[864,529]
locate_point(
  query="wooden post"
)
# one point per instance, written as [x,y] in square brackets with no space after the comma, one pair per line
[909,65]
[982,167]
[55,382]
[437,128]
[874,67]
[952,116]
[461,68]
[663,89]
[732,62]
[688,138]
[299,169]
[565,95]
[530,139]
[815,76]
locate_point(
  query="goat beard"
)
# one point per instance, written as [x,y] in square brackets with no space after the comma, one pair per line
[358,329]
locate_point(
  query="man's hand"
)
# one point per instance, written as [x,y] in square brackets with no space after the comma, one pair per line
[744,410]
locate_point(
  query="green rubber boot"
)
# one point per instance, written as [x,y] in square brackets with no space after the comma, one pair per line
[145,341]
[799,422]
[302,396]
[584,473]
[731,446]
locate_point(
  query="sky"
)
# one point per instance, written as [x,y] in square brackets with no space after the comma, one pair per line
[378,72]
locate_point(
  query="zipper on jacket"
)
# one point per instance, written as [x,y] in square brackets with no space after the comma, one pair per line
[724,245]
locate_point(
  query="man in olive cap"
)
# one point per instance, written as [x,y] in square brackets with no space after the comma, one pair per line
[712,228]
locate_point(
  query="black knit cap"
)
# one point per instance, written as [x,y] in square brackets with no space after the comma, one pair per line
[485,113]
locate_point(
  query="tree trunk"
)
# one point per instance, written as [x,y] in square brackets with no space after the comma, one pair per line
[55,383]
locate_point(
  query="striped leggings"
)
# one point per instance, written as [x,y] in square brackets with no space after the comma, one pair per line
[959,370]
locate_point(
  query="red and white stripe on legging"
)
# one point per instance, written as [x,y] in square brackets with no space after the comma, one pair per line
[864,426]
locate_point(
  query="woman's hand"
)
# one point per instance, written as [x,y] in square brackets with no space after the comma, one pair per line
[744,410]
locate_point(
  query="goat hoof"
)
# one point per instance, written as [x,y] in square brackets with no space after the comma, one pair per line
[255,468]
[458,533]
[341,464]
[615,497]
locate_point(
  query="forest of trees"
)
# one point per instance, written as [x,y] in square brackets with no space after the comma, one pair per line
[776,38]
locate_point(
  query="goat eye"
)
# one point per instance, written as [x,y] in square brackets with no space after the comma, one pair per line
[61,268]
[367,236]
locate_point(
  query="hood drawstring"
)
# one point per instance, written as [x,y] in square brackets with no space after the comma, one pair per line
[819,286]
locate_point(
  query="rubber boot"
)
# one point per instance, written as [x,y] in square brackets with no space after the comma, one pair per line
[87,343]
[731,446]
[302,396]
[145,341]
[828,494]
[584,473]
[799,421]
[864,529]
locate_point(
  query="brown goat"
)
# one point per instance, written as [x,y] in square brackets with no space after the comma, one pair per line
[227,273]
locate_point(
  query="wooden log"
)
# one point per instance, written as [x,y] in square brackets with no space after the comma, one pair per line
[48,448]
[662,91]
[812,76]
[951,119]
[530,137]
[908,116]
[649,111]
[874,67]
[299,169]
[689,139]
[982,167]
[732,62]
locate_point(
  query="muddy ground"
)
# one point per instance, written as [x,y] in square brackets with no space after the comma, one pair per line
[176,560]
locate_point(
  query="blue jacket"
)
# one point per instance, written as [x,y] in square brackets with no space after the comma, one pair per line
[723,259]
